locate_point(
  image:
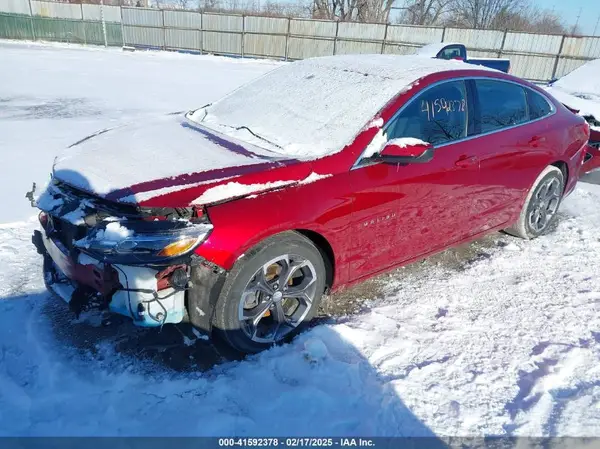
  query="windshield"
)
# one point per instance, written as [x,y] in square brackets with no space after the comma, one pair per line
[313,107]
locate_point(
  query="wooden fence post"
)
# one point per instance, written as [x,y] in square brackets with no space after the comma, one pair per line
[337,27]
[384,38]
[555,68]
[201,33]
[243,32]
[164,29]
[287,38]
[503,42]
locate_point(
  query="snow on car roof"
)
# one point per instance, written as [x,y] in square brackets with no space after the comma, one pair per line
[316,106]
[580,89]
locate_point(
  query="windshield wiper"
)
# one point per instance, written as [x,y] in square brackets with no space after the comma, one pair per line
[237,128]
[258,136]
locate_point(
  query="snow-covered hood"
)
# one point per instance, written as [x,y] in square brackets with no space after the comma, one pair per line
[580,90]
[153,160]
[586,104]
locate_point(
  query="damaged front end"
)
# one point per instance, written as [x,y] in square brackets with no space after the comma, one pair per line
[132,261]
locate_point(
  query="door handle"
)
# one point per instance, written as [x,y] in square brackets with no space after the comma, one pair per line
[536,141]
[466,161]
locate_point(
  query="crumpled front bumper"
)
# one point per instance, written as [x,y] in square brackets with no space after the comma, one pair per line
[131,291]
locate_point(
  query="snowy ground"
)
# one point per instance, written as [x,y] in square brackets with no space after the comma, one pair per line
[504,341]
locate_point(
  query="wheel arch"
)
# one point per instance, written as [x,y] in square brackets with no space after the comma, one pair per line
[326,250]
[564,168]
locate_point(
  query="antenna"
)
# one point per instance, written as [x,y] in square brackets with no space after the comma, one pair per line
[577,21]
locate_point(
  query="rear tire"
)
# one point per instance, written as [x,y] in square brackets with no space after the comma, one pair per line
[257,307]
[541,205]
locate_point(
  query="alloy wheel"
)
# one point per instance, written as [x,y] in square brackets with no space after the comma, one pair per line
[544,204]
[277,298]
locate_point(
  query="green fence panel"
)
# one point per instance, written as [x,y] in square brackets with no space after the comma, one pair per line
[15,26]
[94,34]
[114,34]
[62,30]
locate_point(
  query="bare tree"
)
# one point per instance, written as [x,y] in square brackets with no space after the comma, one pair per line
[424,12]
[483,13]
[208,5]
[531,19]
[359,10]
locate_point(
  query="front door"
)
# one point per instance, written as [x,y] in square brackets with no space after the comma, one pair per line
[404,211]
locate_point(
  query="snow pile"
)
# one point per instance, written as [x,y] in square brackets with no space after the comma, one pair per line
[580,90]
[114,232]
[315,350]
[316,106]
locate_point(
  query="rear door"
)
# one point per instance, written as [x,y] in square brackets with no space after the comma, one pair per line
[512,144]
[404,211]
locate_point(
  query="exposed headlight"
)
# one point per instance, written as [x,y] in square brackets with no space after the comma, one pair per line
[140,241]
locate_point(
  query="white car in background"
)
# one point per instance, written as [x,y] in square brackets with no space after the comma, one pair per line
[580,92]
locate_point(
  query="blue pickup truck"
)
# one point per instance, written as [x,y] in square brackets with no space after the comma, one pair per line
[448,50]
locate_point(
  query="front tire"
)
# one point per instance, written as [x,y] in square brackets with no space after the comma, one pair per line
[541,205]
[271,293]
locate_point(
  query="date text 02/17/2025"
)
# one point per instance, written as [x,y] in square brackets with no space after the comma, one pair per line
[296,442]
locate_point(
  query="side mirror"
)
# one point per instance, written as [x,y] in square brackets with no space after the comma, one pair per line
[406,151]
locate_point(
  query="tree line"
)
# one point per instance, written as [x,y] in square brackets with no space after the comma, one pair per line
[516,15]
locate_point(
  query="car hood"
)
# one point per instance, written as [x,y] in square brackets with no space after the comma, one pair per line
[586,104]
[166,161]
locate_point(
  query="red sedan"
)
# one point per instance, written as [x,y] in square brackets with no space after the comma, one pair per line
[238,216]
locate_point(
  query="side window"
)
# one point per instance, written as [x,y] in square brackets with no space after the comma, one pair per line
[500,105]
[538,105]
[449,53]
[437,116]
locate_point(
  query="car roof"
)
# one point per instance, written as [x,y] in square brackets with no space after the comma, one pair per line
[406,68]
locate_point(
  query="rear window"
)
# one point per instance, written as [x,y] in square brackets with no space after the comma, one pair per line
[501,105]
[538,106]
